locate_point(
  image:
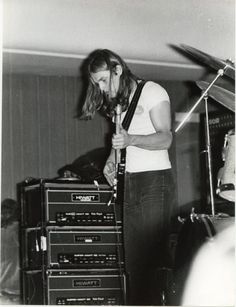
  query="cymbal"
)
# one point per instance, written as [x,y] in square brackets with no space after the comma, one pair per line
[211,61]
[223,96]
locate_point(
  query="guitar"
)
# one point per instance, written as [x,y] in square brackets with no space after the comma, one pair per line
[121,154]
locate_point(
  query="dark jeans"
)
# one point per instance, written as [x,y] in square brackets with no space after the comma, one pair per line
[147,213]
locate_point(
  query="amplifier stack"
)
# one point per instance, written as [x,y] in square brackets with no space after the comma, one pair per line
[71,244]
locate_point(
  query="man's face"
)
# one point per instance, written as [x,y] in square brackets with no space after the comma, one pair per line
[107,82]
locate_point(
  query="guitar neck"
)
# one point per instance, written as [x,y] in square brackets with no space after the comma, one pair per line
[118,125]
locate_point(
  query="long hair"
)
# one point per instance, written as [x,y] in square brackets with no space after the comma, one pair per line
[104,59]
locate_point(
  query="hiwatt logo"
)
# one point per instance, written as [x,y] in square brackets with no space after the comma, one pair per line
[87,283]
[88,198]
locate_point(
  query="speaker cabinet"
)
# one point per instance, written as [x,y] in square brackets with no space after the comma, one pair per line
[71,244]
[74,287]
[67,247]
[65,203]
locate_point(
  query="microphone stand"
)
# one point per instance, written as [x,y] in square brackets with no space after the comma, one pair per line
[208,149]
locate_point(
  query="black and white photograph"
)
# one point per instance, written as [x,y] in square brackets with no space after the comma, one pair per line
[117,152]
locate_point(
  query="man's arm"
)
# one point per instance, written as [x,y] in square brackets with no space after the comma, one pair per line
[161,139]
[156,97]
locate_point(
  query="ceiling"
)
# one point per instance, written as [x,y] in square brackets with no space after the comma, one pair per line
[54,36]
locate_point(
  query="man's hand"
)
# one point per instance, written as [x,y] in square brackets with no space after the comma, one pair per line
[121,140]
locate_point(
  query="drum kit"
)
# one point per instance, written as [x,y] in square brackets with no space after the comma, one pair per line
[225,186]
[202,228]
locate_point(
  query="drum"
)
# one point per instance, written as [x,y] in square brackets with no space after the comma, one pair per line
[226,175]
[211,280]
[196,230]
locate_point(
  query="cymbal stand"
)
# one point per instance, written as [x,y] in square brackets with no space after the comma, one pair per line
[208,150]
[219,74]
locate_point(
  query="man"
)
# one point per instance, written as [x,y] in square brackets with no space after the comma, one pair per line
[148,175]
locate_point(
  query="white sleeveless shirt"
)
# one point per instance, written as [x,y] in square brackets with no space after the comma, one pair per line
[139,159]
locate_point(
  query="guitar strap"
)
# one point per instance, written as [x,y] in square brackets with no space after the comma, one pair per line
[130,113]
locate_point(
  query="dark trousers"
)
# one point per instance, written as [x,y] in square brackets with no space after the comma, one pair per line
[147,214]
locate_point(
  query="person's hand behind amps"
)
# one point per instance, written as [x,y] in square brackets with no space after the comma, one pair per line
[109,172]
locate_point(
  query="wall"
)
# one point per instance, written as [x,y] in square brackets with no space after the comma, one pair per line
[41,133]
